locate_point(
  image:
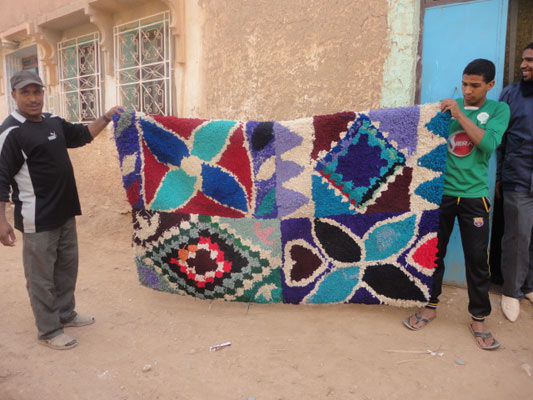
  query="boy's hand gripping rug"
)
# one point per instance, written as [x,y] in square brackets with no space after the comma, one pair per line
[336,208]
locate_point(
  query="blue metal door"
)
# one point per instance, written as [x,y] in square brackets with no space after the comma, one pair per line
[455,34]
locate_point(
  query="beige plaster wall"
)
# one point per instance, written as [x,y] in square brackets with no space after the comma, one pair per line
[98,178]
[260,59]
[278,59]
[247,59]
[16,12]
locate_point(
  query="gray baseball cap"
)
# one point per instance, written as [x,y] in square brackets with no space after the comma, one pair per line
[25,78]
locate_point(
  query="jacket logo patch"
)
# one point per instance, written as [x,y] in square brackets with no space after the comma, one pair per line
[483,117]
[459,144]
[52,136]
[478,222]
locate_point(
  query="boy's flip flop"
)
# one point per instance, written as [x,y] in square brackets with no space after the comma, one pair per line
[484,335]
[60,342]
[419,318]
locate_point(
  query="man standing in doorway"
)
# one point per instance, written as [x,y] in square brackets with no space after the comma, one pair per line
[476,130]
[515,177]
[35,166]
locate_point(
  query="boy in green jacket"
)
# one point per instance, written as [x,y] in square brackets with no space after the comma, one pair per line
[476,130]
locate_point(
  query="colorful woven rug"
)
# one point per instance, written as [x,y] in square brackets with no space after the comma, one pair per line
[336,208]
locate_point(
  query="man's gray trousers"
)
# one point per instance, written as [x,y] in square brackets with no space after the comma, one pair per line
[50,261]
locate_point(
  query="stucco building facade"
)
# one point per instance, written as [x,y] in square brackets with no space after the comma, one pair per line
[219,59]
[234,59]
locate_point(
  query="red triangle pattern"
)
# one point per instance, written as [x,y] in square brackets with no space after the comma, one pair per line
[183,127]
[201,204]
[426,254]
[153,173]
[235,159]
[132,193]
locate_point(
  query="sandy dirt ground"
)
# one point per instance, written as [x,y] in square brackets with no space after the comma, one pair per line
[153,345]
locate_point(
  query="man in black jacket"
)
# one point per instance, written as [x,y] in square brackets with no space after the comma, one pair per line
[515,177]
[36,168]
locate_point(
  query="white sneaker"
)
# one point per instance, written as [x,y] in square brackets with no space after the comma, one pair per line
[510,308]
[529,296]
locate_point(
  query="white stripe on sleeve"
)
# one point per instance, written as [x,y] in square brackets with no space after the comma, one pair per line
[27,197]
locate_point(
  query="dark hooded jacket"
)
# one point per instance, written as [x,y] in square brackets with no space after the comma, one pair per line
[515,154]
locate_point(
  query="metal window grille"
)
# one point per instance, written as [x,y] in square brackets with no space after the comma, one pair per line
[80,79]
[142,64]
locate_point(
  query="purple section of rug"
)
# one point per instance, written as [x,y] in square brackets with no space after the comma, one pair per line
[287,200]
[148,277]
[401,125]
[369,160]
[285,139]
[286,170]
[128,140]
[291,229]
[363,296]
[429,222]
[258,159]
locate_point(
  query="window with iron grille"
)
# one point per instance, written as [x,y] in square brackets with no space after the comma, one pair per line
[80,79]
[142,64]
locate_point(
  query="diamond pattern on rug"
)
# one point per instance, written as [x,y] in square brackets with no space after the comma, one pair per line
[360,164]
[204,257]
